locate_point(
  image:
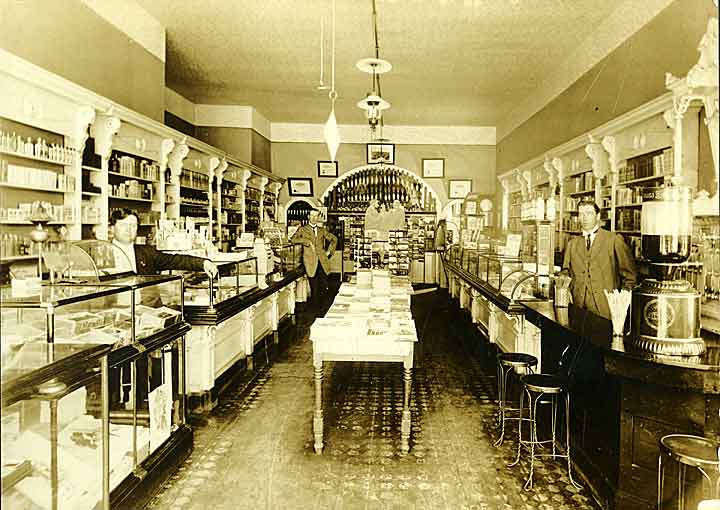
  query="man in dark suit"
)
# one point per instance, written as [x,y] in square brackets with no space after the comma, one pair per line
[598,260]
[318,246]
[145,259]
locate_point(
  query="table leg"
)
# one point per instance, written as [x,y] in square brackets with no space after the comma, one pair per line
[406,416]
[318,416]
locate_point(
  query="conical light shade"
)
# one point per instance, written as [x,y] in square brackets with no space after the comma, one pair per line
[332,134]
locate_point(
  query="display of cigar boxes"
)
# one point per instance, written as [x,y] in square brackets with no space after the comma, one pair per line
[82,322]
[162,317]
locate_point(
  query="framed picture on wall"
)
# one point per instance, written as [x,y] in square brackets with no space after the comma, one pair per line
[327,168]
[459,188]
[433,167]
[381,153]
[300,186]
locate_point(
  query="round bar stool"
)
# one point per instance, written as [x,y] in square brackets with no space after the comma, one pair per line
[536,386]
[508,362]
[693,451]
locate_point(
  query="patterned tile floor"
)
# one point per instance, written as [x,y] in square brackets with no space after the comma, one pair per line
[255,450]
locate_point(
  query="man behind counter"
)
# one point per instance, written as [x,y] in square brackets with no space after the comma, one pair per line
[145,259]
[598,260]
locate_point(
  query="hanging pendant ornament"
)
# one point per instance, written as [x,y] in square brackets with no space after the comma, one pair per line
[331,131]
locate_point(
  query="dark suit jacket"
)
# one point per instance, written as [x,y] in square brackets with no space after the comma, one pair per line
[608,265]
[150,261]
[314,247]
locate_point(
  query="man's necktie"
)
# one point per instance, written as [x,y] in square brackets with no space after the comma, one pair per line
[587,242]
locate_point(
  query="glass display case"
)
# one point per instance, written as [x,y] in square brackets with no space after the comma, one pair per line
[92,386]
[234,279]
[499,267]
[288,257]
[85,261]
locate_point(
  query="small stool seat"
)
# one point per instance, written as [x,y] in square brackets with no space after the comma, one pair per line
[535,387]
[543,383]
[517,359]
[694,451]
[508,362]
[691,450]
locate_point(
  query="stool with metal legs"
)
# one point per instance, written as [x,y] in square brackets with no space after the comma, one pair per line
[693,451]
[508,362]
[535,386]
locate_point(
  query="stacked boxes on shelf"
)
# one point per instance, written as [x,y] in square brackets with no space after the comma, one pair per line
[399,252]
[362,251]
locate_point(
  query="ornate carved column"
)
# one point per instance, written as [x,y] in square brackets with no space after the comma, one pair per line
[600,164]
[700,84]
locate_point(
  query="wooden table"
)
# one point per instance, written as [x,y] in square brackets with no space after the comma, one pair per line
[370,321]
[362,349]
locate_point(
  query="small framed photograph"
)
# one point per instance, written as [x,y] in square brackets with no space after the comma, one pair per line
[300,186]
[327,168]
[433,167]
[381,153]
[459,188]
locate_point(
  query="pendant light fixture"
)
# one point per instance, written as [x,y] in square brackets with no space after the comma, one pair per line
[374,104]
[331,131]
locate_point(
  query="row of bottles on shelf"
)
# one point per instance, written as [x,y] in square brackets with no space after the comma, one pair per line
[230,189]
[231,203]
[231,218]
[653,164]
[58,213]
[132,189]
[297,215]
[196,180]
[89,213]
[13,245]
[36,178]
[13,143]
[384,185]
[192,196]
[536,207]
[253,195]
[132,166]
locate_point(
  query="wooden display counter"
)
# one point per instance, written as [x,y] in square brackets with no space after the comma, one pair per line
[623,402]
[225,335]
[499,319]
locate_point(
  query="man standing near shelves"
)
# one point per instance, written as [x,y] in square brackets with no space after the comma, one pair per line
[145,259]
[318,246]
[598,260]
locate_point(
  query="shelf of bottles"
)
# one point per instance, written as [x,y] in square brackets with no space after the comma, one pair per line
[385,185]
[34,167]
[231,218]
[298,213]
[131,177]
[194,201]
[252,209]
[269,207]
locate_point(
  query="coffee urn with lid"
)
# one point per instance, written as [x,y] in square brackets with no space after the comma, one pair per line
[666,309]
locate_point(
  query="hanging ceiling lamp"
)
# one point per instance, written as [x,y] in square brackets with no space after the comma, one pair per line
[331,131]
[374,104]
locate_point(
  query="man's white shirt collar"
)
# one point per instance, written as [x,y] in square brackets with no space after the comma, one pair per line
[129,251]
